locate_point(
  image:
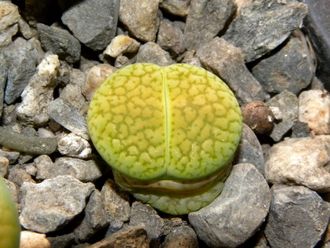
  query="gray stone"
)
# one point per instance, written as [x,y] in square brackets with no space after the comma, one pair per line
[148,217]
[190,57]
[300,129]
[301,161]
[228,63]
[6,35]
[292,68]
[298,217]
[51,204]
[176,7]
[237,213]
[68,117]
[151,52]
[181,237]
[9,17]
[93,22]
[39,92]
[263,25]
[12,156]
[18,175]
[140,17]
[205,20]
[285,109]
[21,58]
[64,240]
[170,37]
[94,220]
[60,42]
[250,150]
[122,44]
[73,145]
[25,29]
[122,61]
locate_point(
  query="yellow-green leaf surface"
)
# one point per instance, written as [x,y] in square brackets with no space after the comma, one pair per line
[9,224]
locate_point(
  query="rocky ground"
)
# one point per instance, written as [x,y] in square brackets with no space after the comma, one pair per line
[53,54]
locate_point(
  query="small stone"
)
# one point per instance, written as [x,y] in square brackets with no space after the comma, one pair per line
[122,61]
[250,150]
[64,240]
[19,176]
[39,92]
[33,240]
[68,117]
[285,110]
[280,72]
[93,22]
[129,237]
[151,52]
[6,35]
[25,29]
[12,156]
[4,163]
[176,7]
[73,145]
[95,77]
[300,129]
[140,17]
[181,237]
[59,41]
[205,20]
[170,37]
[263,25]
[301,161]
[51,204]
[121,44]
[148,217]
[228,63]
[9,17]
[298,217]
[314,109]
[191,58]
[237,213]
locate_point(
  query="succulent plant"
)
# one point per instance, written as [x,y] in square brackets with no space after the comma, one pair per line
[9,224]
[169,133]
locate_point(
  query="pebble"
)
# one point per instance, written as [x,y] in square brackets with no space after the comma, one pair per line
[300,161]
[51,204]
[39,92]
[140,18]
[262,25]
[33,240]
[73,145]
[181,237]
[205,20]
[237,213]
[26,31]
[68,117]
[280,72]
[93,22]
[228,63]
[285,110]
[298,217]
[151,52]
[314,109]
[9,17]
[12,156]
[121,44]
[18,175]
[300,129]
[176,7]
[4,164]
[59,41]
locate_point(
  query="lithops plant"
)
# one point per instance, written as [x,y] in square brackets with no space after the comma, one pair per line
[9,224]
[169,133]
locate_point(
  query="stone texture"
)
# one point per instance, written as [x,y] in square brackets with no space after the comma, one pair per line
[33,240]
[301,161]
[228,63]
[72,94]
[121,44]
[73,145]
[68,117]
[263,25]
[300,129]
[85,171]
[237,213]
[314,109]
[59,41]
[3,78]
[140,17]
[4,163]
[176,7]
[205,20]
[93,22]
[12,156]
[51,204]
[181,237]
[292,68]
[6,35]
[9,17]
[297,218]
[151,52]
[285,110]
[39,92]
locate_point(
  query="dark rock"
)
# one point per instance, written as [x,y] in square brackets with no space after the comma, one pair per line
[318,28]
[237,213]
[181,237]
[263,25]
[228,63]
[298,217]
[205,20]
[60,42]
[65,240]
[151,52]
[176,7]
[48,206]
[300,129]
[285,110]
[292,68]
[140,18]
[93,22]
